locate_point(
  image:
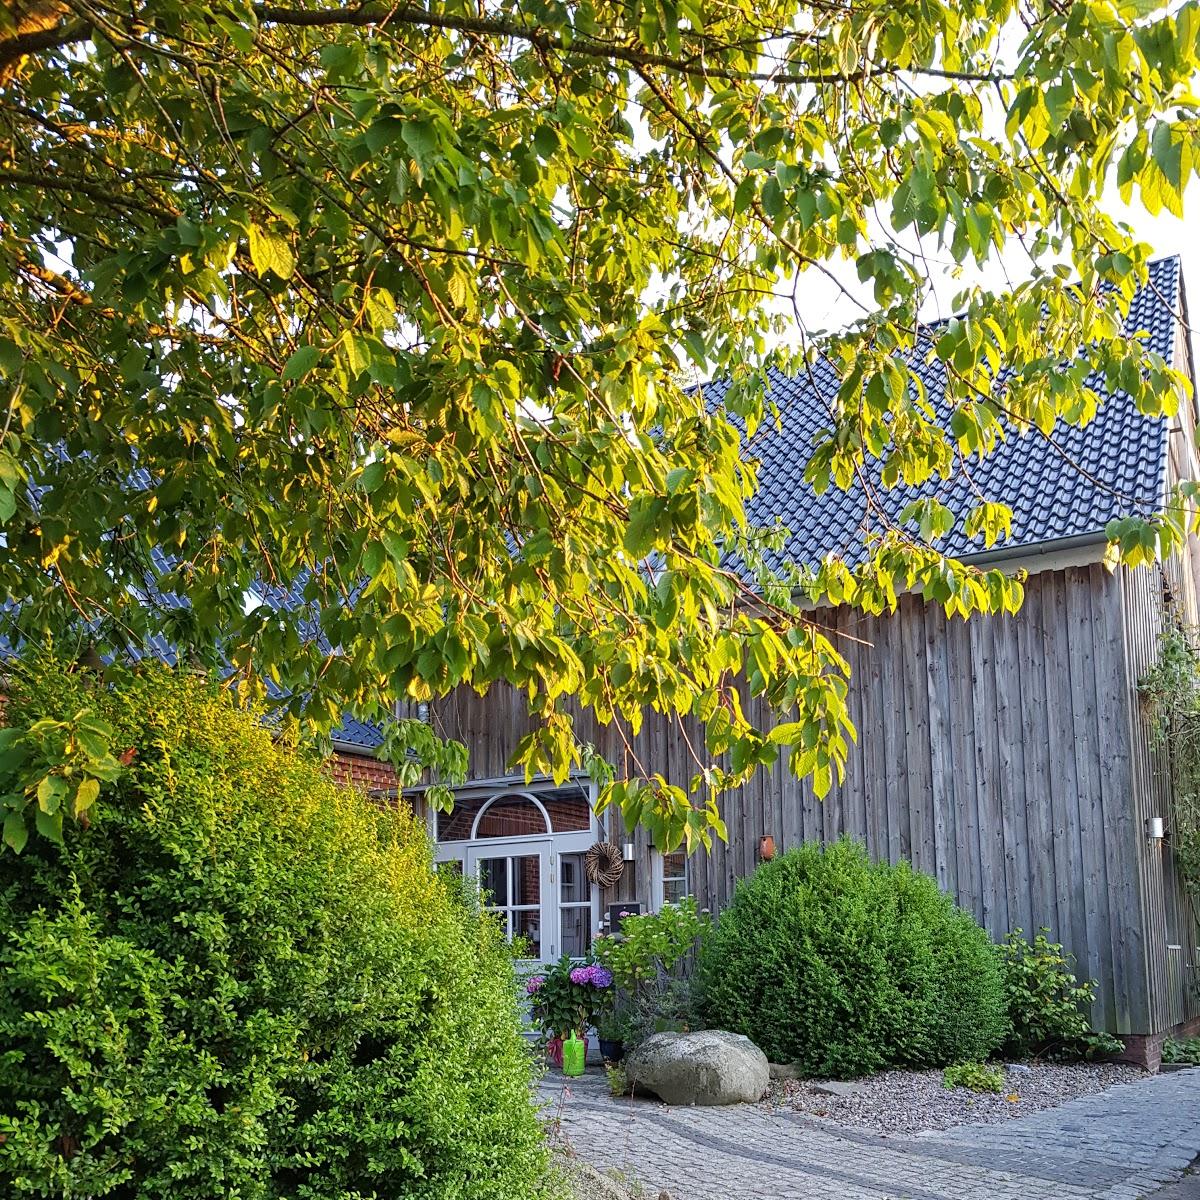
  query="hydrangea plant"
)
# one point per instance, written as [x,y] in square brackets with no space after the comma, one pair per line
[569,996]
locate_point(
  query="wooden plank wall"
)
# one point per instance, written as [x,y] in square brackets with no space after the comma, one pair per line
[994,754]
[1168,923]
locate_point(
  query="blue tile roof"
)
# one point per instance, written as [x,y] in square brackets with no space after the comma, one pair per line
[358,735]
[1039,478]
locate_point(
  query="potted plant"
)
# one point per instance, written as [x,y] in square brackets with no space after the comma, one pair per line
[568,998]
[614,1030]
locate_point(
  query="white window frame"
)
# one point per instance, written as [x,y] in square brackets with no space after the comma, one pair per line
[658,879]
[558,844]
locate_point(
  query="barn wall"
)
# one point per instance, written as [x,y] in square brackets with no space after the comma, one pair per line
[994,754]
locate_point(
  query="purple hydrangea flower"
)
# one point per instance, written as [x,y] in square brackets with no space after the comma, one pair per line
[534,984]
[602,977]
[581,974]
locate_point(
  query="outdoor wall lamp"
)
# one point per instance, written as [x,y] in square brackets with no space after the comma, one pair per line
[1154,829]
[766,847]
[627,851]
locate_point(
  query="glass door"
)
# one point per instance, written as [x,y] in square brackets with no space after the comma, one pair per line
[516,886]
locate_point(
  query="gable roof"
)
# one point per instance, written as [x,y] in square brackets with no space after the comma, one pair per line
[1038,477]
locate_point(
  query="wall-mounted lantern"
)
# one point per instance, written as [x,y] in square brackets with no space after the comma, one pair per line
[1154,829]
[627,851]
[766,848]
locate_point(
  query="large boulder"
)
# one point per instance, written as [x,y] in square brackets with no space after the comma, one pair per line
[707,1067]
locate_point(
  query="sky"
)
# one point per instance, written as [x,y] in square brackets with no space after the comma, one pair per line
[825,307]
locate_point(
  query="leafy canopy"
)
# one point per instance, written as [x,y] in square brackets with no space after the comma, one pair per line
[398,307]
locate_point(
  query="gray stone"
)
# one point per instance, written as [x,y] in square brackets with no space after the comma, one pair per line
[784,1071]
[707,1067]
[835,1087]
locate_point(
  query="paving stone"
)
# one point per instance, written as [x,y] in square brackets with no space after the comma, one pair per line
[1122,1144]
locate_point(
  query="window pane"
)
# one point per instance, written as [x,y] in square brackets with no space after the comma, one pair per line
[512,816]
[573,878]
[674,890]
[569,810]
[577,930]
[675,865]
[527,924]
[527,880]
[493,878]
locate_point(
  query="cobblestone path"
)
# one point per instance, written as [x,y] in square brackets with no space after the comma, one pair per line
[1119,1145]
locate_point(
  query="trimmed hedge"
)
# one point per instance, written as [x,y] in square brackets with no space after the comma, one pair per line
[246,981]
[845,967]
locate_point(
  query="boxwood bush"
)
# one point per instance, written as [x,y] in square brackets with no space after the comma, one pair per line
[243,980]
[845,967]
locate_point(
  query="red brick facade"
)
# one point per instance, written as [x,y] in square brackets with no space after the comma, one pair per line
[1145,1049]
[362,770]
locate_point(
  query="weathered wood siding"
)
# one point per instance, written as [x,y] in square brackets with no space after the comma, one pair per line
[1004,756]
[1168,924]
[995,755]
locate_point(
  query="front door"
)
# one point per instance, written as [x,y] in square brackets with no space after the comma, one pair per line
[525,847]
[516,882]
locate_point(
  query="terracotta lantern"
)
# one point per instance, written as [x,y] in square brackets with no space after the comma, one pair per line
[766,847]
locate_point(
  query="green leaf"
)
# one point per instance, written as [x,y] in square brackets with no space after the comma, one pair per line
[644,516]
[300,362]
[49,825]
[270,252]
[51,792]
[372,476]
[787,733]
[85,795]
[744,193]
[421,139]
[16,832]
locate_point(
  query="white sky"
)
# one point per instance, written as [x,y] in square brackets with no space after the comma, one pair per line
[823,306]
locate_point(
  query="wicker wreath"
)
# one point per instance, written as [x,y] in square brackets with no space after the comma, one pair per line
[603,863]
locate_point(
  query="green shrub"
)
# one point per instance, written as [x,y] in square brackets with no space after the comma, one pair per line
[1048,1008]
[1181,1050]
[844,967]
[648,959]
[977,1076]
[651,942]
[244,981]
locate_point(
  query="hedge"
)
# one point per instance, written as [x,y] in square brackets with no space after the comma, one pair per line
[244,980]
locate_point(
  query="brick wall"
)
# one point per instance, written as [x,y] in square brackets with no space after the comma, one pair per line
[1145,1049]
[362,770]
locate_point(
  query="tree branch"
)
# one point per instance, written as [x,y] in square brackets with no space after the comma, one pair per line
[386,15]
[33,34]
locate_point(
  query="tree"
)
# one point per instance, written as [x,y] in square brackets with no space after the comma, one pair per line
[398,311]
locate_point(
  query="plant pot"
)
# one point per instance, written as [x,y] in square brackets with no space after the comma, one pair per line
[554,1050]
[612,1050]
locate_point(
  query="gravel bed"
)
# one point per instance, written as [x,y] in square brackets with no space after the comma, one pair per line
[916,1101]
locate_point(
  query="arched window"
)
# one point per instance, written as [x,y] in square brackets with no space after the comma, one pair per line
[516,812]
[511,814]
